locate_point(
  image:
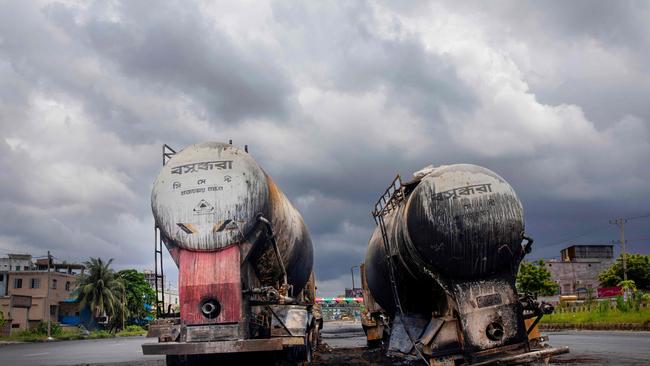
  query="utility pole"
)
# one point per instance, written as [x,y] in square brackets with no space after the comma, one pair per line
[123,306]
[620,222]
[47,297]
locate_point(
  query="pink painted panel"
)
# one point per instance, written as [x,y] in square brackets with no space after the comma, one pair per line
[205,275]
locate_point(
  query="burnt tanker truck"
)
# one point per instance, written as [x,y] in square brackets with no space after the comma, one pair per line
[244,257]
[439,273]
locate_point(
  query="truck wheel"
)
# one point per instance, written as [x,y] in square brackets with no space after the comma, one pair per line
[177,360]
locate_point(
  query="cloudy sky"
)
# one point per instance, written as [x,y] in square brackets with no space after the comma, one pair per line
[334,99]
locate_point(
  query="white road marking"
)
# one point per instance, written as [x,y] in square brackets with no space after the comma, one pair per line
[37,354]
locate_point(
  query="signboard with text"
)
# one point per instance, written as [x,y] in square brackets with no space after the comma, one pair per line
[610,291]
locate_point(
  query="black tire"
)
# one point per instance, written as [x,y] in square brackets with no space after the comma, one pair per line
[176,360]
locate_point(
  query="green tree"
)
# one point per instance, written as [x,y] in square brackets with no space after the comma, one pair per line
[638,270]
[99,288]
[533,277]
[628,285]
[137,292]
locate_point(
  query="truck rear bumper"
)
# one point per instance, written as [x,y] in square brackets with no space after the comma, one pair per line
[196,348]
[525,357]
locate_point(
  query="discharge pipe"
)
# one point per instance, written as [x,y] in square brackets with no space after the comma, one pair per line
[269,230]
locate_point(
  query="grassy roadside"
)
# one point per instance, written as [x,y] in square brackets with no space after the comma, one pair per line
[66,334]
[594,316]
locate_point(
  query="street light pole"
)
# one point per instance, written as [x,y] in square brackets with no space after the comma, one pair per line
[352,273]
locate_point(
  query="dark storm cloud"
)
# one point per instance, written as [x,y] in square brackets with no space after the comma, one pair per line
[600,55]
[175,47]
[334,99]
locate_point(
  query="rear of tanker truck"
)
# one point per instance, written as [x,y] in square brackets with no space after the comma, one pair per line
[244,258]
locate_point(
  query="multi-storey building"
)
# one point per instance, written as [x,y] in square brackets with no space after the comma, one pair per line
[578,270]
[16,262]
[30,293]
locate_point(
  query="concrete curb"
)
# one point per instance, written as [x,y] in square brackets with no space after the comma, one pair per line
[595,326]
[5,343]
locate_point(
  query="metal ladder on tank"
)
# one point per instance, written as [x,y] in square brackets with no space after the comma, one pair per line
[159,274]
[390,200]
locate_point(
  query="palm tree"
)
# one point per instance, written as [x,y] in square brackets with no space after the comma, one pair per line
[99,288]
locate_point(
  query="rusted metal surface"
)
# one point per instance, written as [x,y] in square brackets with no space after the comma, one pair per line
[166,330]
[525,358]
[207,333]
[289,320]
[210,275]
[195,348]
[534,334]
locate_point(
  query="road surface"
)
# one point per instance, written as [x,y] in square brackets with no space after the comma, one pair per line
[603,347]
[345,346]
[587,347]
[124,350]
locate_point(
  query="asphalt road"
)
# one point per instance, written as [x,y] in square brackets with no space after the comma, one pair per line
[124,350]
[587,347]
[603,347]
[346,338]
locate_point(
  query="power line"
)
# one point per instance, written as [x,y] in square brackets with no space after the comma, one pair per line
[560,241]
[637,217]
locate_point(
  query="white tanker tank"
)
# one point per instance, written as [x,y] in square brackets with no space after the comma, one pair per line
[212,195]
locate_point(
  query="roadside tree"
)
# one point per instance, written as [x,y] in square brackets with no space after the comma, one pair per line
[534,278]
[638,270]
[138,294]
[99,288]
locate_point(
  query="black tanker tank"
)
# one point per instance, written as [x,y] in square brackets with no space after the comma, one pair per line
[443,258]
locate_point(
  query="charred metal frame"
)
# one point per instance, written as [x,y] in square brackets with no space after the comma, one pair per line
[388,201]
[167,153]
[271,237]
[391,198]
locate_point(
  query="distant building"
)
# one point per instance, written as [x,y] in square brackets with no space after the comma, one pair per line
[171,298]
[150,277]
[355,292]
[578,270]
[16,262]
[29,293]
[63,267]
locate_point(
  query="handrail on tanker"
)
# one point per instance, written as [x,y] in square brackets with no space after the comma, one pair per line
[390,199]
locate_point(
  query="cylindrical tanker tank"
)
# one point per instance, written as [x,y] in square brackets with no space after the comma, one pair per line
[209,197]
[244,255]
[442,264]
[455,222]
